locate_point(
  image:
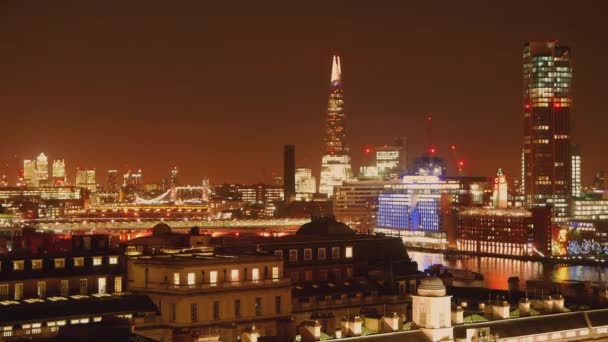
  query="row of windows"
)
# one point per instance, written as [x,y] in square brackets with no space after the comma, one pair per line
[64,288]
[323,275]
[321,253]
[233,276]
[19,265]
[217,314]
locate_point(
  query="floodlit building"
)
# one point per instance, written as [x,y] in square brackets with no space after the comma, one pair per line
[500,194]
[391,160]
[42,168]
[576,161]
[306,184]
[356,203]
[592,206]
[29,173]
[59,175]
[212,296]
[547,102]
[335,163]
[85,178]
[421,209]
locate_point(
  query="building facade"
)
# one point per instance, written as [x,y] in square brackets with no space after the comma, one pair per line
[213,296]
[547,101]
[335,163]
[356,203]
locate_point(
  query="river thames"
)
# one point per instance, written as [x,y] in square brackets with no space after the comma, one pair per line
[497,271]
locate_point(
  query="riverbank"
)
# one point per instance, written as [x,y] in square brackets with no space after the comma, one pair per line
[452,253]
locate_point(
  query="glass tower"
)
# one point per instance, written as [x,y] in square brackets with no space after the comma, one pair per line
[335,163]
[546,161]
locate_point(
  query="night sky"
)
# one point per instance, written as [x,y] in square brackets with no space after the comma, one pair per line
[218,91]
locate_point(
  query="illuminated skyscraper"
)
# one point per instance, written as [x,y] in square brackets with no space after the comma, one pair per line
[305,184]
[289,173]
[576,171]
[112,183]
[390,160]
[546,168]
[85,178]
[29,173]
[335,163]
[59,172]
[42,168]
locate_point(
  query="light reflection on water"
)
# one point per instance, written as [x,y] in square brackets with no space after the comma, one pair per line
[497,271]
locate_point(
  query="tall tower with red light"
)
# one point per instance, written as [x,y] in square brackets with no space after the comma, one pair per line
[546,157]
[335,163]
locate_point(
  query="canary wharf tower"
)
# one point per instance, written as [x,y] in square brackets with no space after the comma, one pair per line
[335,164]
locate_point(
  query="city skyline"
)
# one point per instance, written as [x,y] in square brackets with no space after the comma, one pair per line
[174,100]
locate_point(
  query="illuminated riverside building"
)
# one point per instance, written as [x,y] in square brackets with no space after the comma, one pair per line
[85,178]
[356,203]
[335,163]
[547,100]
[576,171]
[306,184]
[590,207]
[500,193]
[494,230]
[259,193]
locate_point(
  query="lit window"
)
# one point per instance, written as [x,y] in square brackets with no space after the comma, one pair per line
[191,279]
[113,260]
[275,273]
[7,331]
[234,276]
[42,289]
[36,264]
[176,278]
[118,284]
[255,274]
[213,278]
[97,261]
[278,252]
[101,285]
[59,263]
[18,291]
[78,262]
[348,252]
[18,265]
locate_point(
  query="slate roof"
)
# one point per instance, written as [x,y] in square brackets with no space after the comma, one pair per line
[116,304]
[529,325]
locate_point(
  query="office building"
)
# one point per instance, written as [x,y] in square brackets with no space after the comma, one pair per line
[356,203]
[112,184]
[85,178]
[59,175]
[305,184]
[335,163]
[391,160]
[428,165]
[505,231]
[547,100]
[421,209]
[591,206]
[29,173]
[599,182]
[289,173]
[576,161]
[42,169]
[173,180]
